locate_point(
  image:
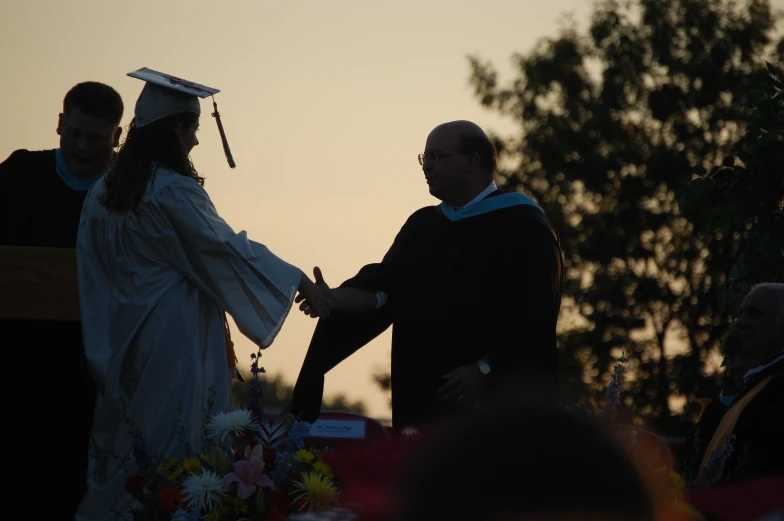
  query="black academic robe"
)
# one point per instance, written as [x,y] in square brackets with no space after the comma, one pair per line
[759,432]
[758,449]
[45,370]
[698,439]
[458,290]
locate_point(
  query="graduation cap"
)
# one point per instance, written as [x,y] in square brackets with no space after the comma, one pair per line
[164,95]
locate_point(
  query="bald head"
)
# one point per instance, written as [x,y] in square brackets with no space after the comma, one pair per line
[469,138]
[459,162]
[761,322]
[461,127]
[775,292]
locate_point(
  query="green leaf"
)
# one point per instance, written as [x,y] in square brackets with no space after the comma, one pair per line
[260,503]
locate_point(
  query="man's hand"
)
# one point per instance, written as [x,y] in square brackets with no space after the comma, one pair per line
[314,298]
[464,384]
[349,301]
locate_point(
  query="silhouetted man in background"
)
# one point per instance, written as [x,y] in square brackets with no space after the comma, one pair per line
[472,286]
[41,196]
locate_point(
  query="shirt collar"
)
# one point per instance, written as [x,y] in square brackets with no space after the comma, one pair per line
[762,367]
[484,193]
[74,182]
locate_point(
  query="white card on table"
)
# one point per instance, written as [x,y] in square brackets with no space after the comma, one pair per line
[348,429]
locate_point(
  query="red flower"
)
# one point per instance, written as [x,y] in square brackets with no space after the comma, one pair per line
[277,500]
[135,484]
[171,499]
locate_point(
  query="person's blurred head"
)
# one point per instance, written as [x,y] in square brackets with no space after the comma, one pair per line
[518,461]
[89,127]
[761,324]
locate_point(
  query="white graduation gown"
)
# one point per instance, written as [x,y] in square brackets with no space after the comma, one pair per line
[152,287]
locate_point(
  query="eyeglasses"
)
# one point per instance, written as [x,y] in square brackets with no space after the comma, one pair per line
[434,156]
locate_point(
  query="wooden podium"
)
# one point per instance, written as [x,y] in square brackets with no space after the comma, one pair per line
[38,283]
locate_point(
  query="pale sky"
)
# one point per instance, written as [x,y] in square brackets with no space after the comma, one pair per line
[325,104]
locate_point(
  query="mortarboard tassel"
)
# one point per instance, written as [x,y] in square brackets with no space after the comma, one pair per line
[226,149]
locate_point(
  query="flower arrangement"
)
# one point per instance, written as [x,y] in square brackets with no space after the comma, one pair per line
[251,467]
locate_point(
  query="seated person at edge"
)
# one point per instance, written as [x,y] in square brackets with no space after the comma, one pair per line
[751,429]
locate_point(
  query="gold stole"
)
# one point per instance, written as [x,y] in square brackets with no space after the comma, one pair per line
[730,418]
[230,355]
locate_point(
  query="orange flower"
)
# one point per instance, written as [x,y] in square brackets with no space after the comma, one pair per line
[171,499]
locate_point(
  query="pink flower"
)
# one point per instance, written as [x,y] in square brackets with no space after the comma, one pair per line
[248,474]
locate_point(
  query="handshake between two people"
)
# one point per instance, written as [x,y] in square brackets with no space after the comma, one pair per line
[318,300]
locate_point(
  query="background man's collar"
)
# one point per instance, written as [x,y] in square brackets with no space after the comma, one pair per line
[484,193]
[761,368]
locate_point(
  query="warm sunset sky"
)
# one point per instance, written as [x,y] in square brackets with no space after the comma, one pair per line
[325,103]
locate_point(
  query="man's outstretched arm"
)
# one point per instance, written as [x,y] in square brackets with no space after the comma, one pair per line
[334,340]
[369,289]
[345,300]
[353,301]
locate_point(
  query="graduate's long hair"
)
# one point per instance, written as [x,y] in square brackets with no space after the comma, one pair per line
[158,143]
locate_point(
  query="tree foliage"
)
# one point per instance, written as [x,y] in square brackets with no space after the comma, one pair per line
[745,202]
[611,121]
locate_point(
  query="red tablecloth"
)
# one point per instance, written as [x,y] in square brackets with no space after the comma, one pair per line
[747,501]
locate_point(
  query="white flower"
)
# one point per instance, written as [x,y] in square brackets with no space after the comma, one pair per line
[235,421]
[204,491]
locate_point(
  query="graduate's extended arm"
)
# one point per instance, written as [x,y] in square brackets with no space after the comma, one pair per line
[241,276]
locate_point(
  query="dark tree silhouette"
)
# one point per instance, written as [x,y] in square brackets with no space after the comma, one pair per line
[277,395]
[383,379]
[611,121]
[745,202]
